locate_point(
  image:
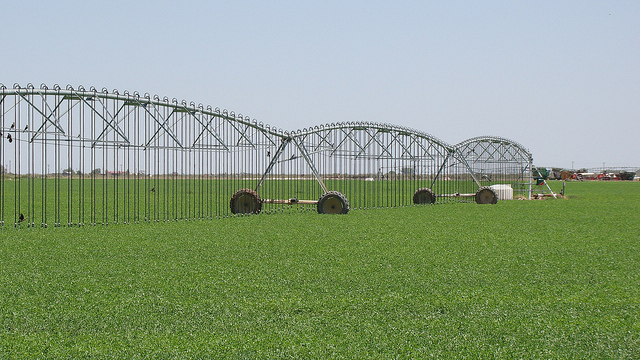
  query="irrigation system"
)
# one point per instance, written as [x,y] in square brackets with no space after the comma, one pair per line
[75,156]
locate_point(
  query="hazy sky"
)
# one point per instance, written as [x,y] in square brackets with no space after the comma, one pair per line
[560,77]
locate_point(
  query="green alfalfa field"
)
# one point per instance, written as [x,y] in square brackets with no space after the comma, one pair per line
[552,279]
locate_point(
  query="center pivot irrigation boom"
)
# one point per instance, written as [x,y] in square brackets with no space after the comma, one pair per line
[75,156]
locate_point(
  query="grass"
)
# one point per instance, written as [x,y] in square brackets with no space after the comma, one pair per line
[520,279]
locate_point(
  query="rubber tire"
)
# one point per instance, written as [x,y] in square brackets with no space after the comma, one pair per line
[246,201]
[486,195]
[424,196]
[333,202]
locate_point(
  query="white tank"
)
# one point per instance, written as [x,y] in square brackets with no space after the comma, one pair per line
[504,191]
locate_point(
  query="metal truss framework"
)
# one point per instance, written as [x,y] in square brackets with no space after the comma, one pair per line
[77,156]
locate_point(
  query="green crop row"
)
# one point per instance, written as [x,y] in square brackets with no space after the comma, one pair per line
[520,279]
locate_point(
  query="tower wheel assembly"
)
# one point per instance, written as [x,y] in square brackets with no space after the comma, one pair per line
[484,195]
[247,201]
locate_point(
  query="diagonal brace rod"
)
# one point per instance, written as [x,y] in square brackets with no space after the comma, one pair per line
[274,160]
[304,153]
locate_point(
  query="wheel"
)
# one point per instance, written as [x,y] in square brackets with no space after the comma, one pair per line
[333,202]
[486,195]
[246,201]
[424,196]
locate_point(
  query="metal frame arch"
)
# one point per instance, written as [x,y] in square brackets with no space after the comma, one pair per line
[495,139]
[378,126]
[133,98]
[76,156]
[374,164]
[494,160]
